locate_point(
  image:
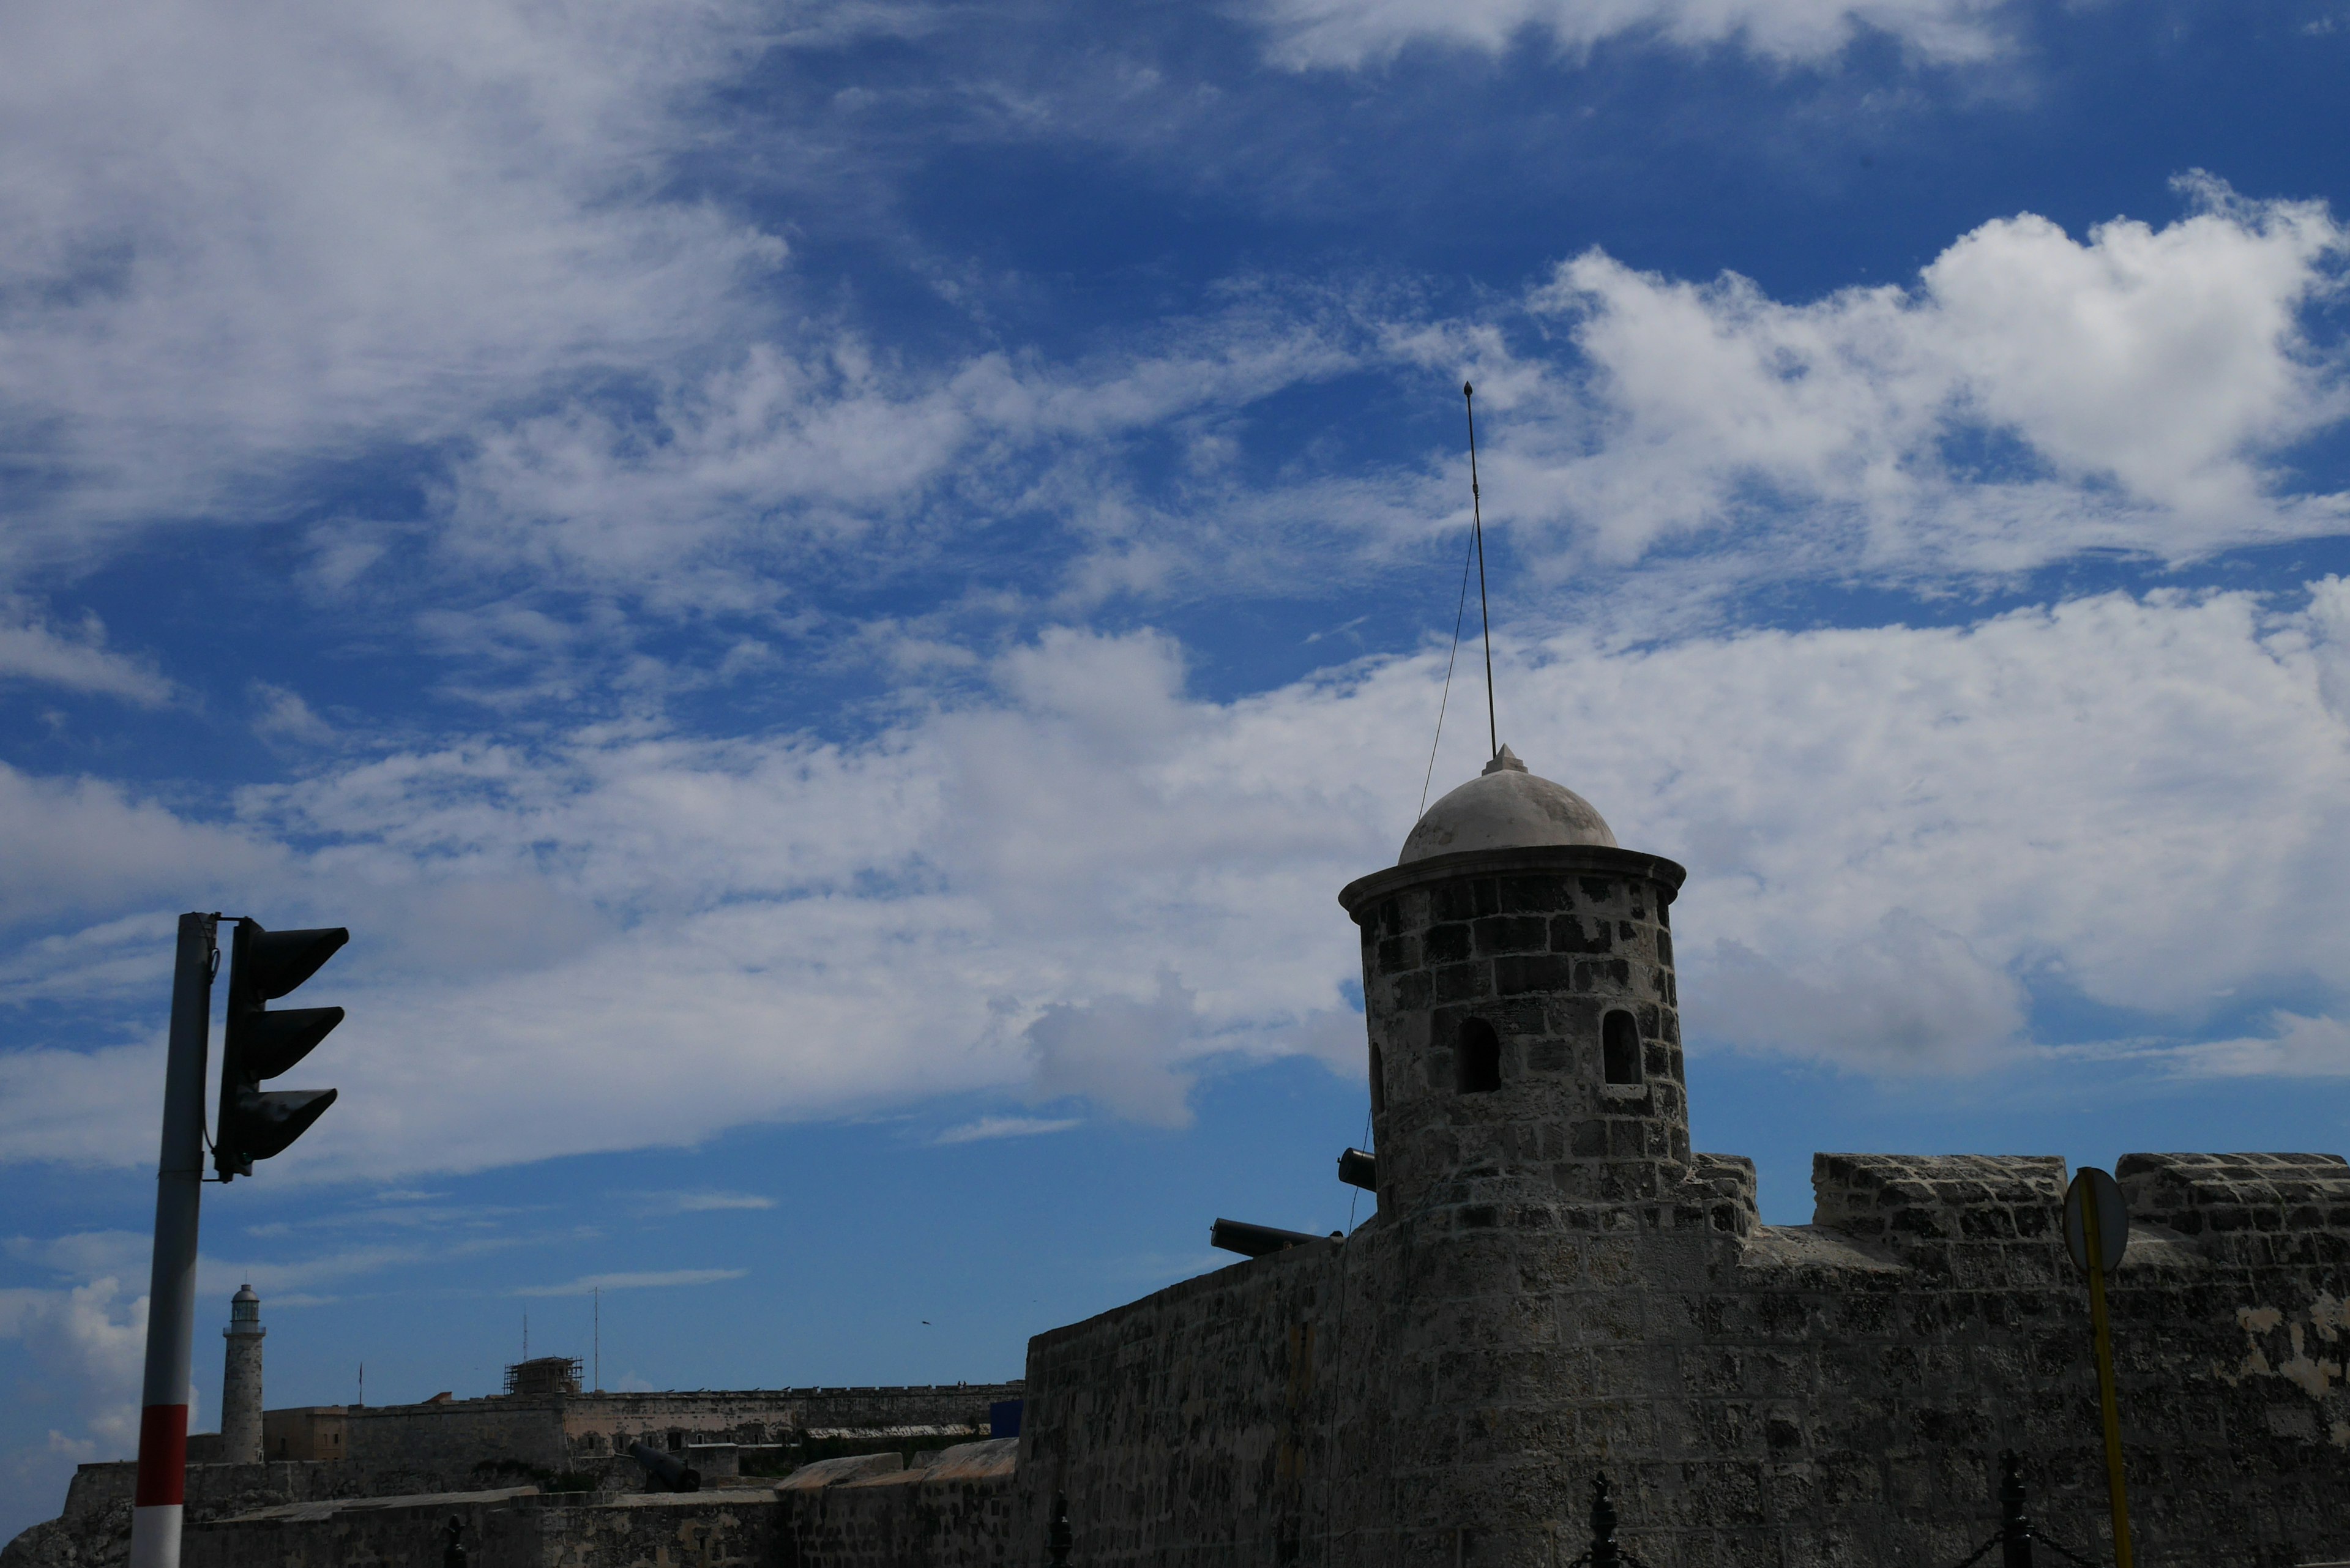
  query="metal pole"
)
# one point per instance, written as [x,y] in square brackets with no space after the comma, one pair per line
[1477,515]
[172,1289]
[2115,1494]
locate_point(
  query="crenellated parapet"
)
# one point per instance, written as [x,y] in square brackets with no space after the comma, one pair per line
[2259,1208]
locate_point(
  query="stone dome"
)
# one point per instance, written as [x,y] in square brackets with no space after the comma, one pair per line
[1507,808]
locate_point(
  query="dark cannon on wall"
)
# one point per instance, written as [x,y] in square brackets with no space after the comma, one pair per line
[1256,1240]
[666,1472]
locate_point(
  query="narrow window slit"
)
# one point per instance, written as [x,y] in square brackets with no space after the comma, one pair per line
[1480,1057]
[1619,1048]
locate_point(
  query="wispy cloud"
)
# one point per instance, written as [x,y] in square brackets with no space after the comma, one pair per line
[698,1202]
[2296,1046]
[1091,882]
[588,1283]
[1355,33]
[1006,1126]
[37,654]
[458,244]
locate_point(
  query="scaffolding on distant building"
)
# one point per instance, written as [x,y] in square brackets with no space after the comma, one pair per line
[543,1375]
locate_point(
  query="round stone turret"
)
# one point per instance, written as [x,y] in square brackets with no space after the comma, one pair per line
[241,1381]
[1518,986]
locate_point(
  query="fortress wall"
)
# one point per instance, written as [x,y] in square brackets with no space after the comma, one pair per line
[955,1512]
[1179,1426]
[384,1533]
[1829,1394]
[434,1445]
[449,1439]
[607,1423]
[514,1528]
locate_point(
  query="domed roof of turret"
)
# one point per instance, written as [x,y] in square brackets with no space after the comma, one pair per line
[243,1293]
[1507,808]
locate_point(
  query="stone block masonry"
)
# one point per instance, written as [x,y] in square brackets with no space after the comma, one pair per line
[1836,1393]
[953,1508]
[461,1446]
[955,1511]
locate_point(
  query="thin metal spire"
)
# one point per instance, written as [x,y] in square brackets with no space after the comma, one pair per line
[1477,515]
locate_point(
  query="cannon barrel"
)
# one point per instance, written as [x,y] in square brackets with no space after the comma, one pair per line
[1256,1240]
[665,1472]
[1356,1169]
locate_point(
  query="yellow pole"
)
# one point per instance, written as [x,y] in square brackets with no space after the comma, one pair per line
[2115,1489]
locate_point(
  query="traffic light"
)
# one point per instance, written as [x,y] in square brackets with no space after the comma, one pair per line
[261,967]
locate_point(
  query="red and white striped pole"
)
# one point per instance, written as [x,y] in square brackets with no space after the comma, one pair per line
[171,1292]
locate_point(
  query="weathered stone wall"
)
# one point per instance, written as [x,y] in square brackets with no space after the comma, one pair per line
[438,1446]
[460,1446]
[449,1441]
[1433,1391]
[953,1512]
[1188,1426]
[378,1532]
[515,1528]
[607,1423]
[94,1529]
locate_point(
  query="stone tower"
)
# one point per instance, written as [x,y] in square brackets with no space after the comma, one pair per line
[1518,982]
[241,1382]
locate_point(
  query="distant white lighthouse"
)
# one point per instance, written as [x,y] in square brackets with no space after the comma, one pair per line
[241,1384]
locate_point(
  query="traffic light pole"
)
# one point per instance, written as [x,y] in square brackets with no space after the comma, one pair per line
[171,1292]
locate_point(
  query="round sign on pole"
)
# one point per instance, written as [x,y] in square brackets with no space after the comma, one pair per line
[2093,1186]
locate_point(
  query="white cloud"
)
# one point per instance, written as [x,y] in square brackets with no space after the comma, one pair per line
[1088,882]
[1905,993]
[2033,397]
[284,716]
[664,1279]
[987,1127]
[804,458]
[1121,1052]
[117,958]
[701,1202]
[2295,1047]
[85,843]
[93,1338]
[33,652]
[1356,33]
[87,1254]
[238,237]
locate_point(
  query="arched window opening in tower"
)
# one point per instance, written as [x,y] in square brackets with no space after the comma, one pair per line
[1619,1048]
[1479,1055]
[1378,1083]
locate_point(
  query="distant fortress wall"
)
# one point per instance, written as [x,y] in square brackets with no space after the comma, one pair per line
[553,1431]
[455,1445]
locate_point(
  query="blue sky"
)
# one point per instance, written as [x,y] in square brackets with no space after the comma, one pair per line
[831,591]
